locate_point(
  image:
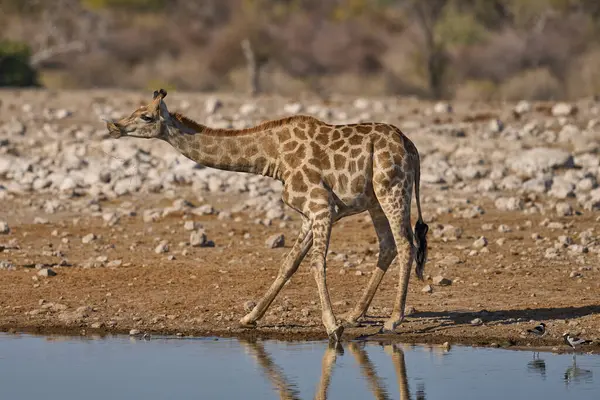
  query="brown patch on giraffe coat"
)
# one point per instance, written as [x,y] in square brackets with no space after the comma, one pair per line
[364,129]
[355,152]
[270,147]
[251,150]
[321,156]
[361,163]
[290,146]
[322,139]
[339,161]
[347,131]
[337,145]
[297,182]
[336,135]
[355,140]
[312,128]
[284,135]
[300,134]
[358,184]
[352,167]
[312,175]
[319,193]
[343,181]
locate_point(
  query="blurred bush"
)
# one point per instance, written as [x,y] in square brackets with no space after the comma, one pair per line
[468,49]
[15,69]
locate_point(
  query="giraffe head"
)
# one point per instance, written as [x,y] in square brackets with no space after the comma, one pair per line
[145,122]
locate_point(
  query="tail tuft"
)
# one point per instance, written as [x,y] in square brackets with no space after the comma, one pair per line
[421,229]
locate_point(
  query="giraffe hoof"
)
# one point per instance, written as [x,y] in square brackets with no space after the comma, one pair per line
[250,325]
[336,335]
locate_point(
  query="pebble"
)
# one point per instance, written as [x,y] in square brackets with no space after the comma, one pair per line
[476,322]
[46,272]
[441,281]
[275,241]
[249,306]
[427,289]
[480,243]
[162,247]
[134,332]
[88,238]
[4,228]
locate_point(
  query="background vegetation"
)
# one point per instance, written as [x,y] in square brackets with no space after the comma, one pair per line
[465,49]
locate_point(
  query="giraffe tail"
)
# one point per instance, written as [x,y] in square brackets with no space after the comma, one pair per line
[421,228]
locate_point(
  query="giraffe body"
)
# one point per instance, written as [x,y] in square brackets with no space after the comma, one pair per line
[328,172]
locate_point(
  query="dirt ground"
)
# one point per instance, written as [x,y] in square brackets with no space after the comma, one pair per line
[203,293]
[118,283]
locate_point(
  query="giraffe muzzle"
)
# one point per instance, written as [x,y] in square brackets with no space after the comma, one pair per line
[114,130]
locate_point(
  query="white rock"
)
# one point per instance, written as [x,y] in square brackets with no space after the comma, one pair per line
[4,228]
[442,108]
[274,241]
[162,247]
[198,239]
[563,109]
[564,209]
[522,107]
[46,272]
[293,108]
[540,159]
[88,238]
[441,281]
[212,104]
[480,243]
[509,203]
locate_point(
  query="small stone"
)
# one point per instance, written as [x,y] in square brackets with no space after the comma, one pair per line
[442,108]
[249,306]
[134,332]
[162,247]
[40,221]
[563,109]
[4,228]
[575,274]
[564,209]
[480,243]
[441,281]
[212,104]
[191,226]
[504,228]
[46,272]
[427,289]
[198,239]
[477,321]
[88,238]
[522,107]
[274,241]
[359,273]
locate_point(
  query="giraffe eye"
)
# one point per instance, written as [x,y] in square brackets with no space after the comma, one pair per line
[146,118]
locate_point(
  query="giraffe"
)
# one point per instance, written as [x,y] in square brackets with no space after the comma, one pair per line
[328,172]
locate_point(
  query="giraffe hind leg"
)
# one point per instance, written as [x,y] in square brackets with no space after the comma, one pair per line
[395,202]
[387,253]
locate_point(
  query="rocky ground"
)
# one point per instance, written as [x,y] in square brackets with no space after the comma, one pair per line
[100,235]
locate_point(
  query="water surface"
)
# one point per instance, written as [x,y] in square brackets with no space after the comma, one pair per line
[38,367]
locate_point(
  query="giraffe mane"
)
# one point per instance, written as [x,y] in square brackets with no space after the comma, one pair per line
[270,124]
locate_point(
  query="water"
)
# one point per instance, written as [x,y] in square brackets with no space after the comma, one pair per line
[37,367]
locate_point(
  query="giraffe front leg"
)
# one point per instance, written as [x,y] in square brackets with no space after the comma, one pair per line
[322,220]
[288,268]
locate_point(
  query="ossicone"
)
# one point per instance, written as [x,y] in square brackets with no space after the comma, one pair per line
[161,92]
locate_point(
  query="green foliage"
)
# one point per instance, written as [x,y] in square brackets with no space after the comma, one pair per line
[459,28]
[14,65]
[133,5]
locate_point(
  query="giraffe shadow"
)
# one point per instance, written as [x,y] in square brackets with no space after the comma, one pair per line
[507,317]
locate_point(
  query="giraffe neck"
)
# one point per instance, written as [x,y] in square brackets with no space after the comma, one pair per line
[230,150]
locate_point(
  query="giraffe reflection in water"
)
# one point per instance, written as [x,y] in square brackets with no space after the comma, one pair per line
[288,391]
